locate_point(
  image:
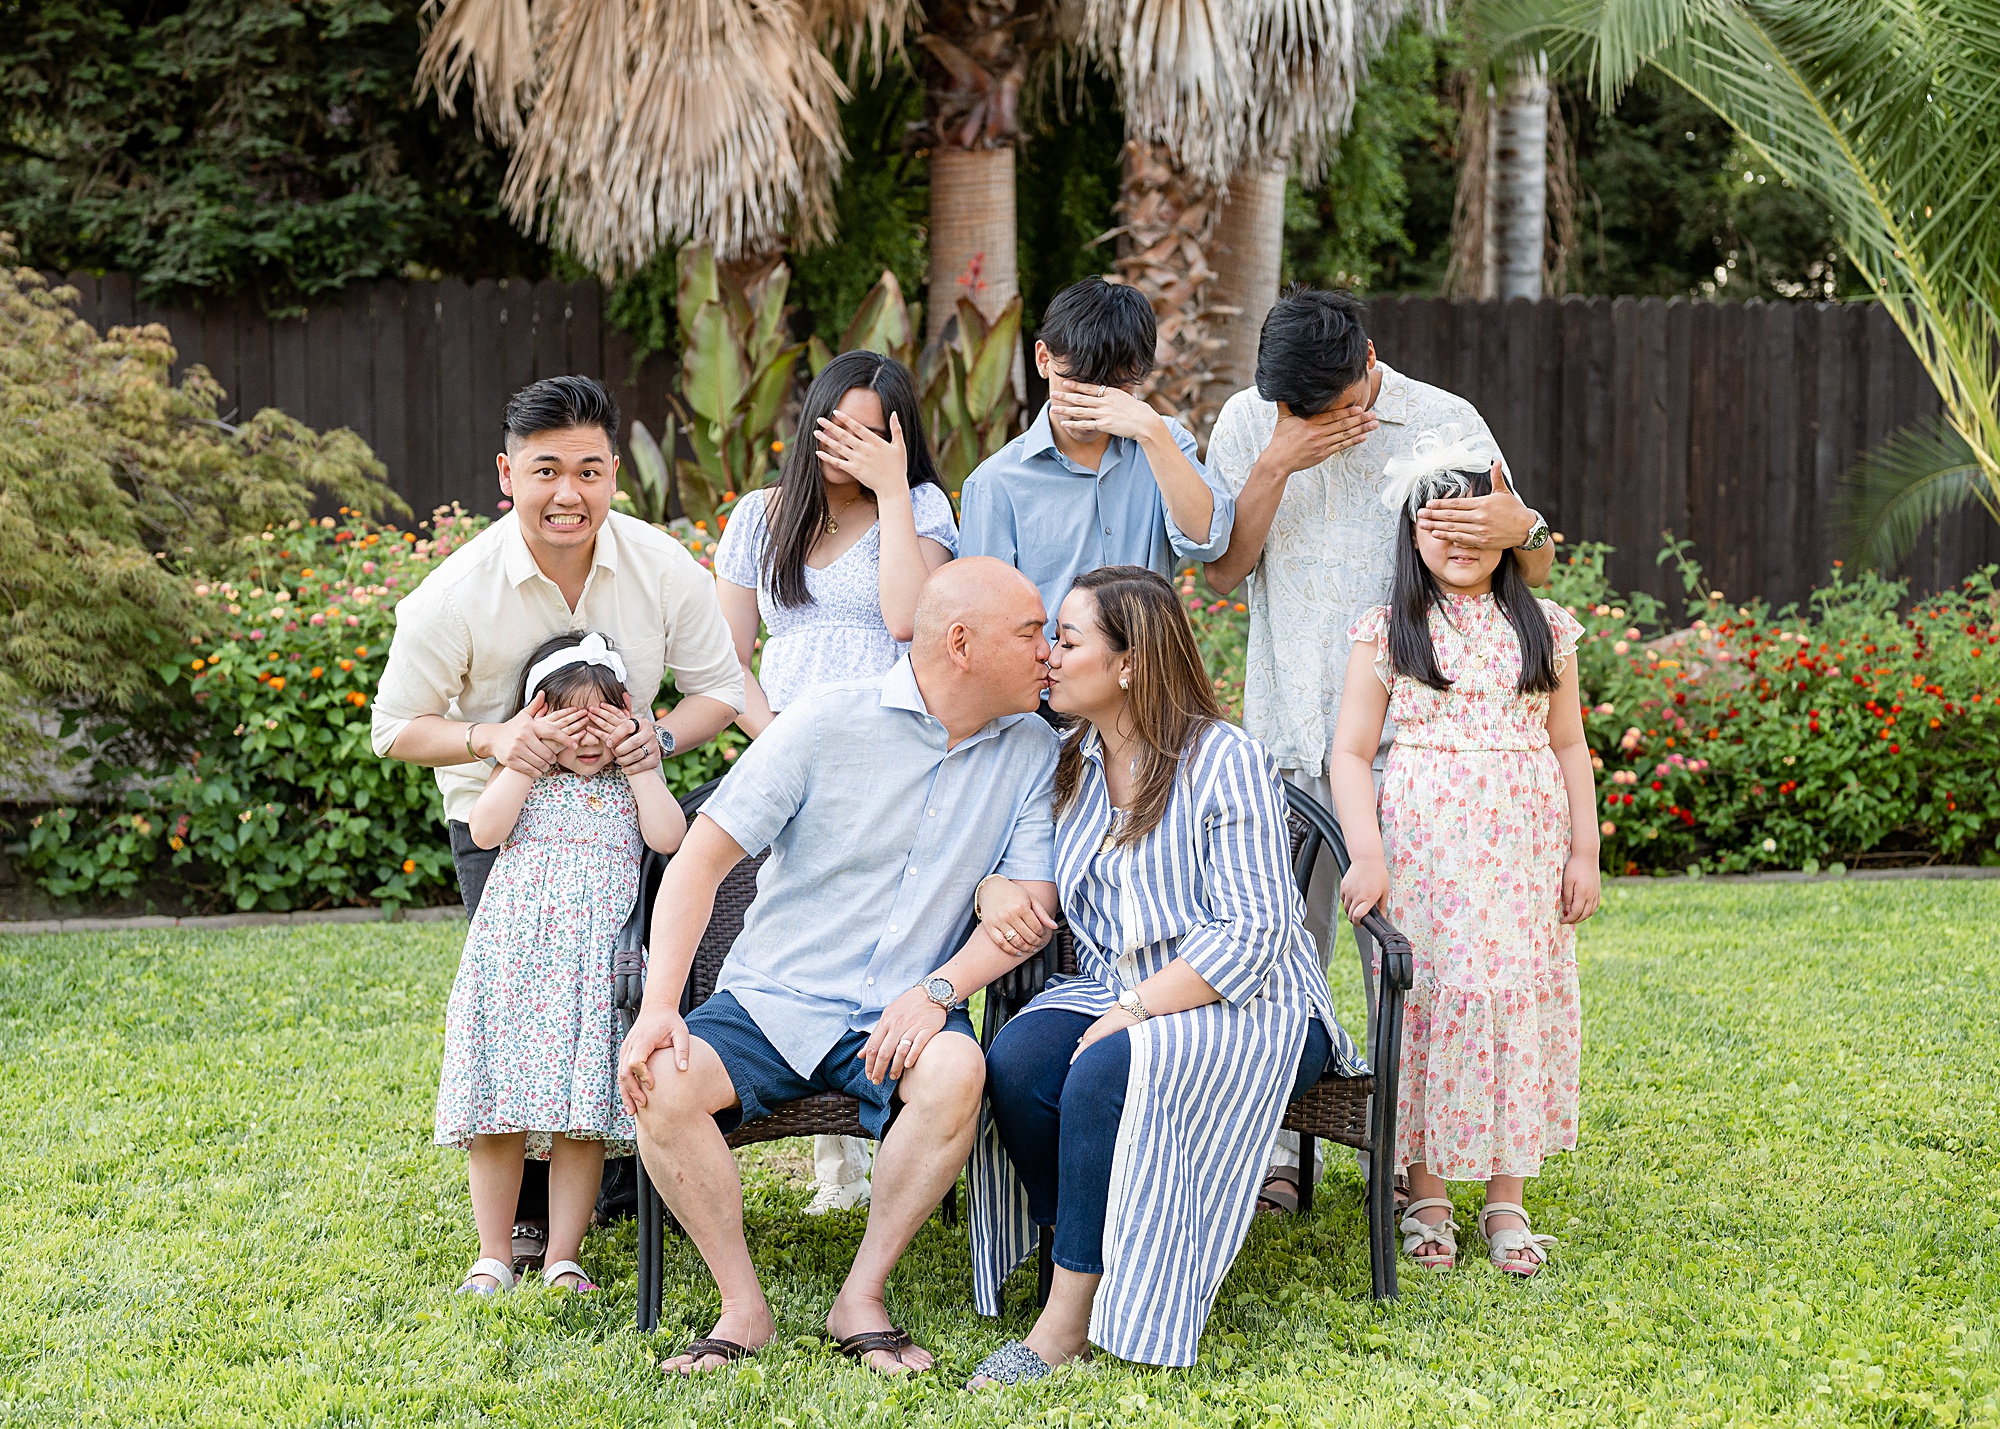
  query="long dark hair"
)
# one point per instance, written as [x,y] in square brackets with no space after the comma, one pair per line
[1416,590]
[800,500]
[1172,700]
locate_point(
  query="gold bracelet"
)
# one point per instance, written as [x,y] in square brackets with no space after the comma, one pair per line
[977,916]
[470,752]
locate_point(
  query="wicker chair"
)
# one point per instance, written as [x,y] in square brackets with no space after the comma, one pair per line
[824,1114]
[1354,1111]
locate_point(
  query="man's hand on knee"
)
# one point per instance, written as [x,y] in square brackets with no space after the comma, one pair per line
[953,1073]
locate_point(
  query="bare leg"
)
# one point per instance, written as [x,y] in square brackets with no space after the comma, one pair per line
[919,1160]
[576,1171]
[1508,1190]
[493,1172]
[1425,1187]
[691,1165]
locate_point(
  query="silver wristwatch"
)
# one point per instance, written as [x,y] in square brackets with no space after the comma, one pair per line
[666,738]
[939,990]
[1538,534]
[1130,1004]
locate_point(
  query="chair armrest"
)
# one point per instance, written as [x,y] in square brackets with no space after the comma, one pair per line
[1398,962]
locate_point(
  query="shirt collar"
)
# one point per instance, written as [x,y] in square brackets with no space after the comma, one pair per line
[1395,402]
[900,691]
[519,562]
[1040,440]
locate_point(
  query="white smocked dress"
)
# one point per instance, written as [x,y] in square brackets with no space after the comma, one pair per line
[531,1035]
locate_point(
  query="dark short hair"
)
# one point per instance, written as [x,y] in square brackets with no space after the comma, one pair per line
[1312,349]
[1102,332]
[556,403]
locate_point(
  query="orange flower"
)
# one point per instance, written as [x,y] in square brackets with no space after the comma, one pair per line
[362,651]
[318,670]
[356,698]
[1241,606]
[277,682]
[347,664]
[199,663]
[409,865]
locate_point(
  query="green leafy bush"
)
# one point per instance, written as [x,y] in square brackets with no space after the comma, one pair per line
[275,798]
[109,474]
[1852,730]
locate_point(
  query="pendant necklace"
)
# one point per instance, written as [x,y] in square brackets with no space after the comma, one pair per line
[832,523]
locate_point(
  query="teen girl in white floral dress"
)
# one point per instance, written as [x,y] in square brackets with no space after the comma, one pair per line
[1485,856]
[531,1035]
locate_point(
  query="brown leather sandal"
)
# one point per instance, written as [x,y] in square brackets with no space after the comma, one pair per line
[1285,1202]
[891,1341]
[711,1347]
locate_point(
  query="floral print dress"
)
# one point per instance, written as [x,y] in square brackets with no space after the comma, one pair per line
[1476,830]
[531,1035]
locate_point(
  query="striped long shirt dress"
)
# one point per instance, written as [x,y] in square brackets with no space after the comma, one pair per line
[1212,885]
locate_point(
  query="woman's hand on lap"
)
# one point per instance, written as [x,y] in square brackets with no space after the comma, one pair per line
[1583,888]
[1116,1020]
[854,451]
[1365,888]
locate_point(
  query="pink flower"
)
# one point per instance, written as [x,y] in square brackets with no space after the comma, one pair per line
[257,635]
[317,619]
[353,620]
[368,568]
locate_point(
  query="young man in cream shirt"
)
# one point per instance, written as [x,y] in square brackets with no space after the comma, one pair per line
[560,560]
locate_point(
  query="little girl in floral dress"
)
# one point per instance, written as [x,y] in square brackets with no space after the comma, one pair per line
[531,1035]
[1485,856]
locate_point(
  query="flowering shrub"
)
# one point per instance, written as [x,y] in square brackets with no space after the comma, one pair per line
[277,799]
[1222,634]
[1851,730]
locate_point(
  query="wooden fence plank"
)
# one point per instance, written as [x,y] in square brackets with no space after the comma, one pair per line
[422,317]
[459,478]
[388,380]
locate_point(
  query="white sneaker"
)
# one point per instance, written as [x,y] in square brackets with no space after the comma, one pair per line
[830,1197]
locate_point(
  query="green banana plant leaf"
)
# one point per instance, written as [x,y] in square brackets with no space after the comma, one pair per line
[768,310]
[991,371]
[818,354]
[699,283]
[883,323]
[713,378]
[769,391]
[645,480]
[971,325]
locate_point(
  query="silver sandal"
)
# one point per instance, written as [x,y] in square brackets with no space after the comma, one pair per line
[1012,1363]
[499,1270]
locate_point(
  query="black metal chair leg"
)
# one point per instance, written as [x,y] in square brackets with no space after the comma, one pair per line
[948,1208]
[1045,1270]
[652,1254]
[1308,1149]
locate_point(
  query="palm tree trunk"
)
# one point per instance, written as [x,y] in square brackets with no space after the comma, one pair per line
[1167,220]
[976,59]
[1248,255]
[972,233]
[1518,207]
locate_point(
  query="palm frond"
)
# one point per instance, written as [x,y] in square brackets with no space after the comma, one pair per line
[1886,112]
[1923,474]
[495,41]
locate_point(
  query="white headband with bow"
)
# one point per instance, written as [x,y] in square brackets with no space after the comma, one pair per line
[591,651]
[1435,466]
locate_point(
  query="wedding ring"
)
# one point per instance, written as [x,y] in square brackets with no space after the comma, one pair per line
[907,1042]
[1009,934]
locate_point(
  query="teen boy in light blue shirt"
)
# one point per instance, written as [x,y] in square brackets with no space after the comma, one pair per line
[1100,479]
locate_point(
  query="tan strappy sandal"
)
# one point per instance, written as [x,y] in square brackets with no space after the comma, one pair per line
[1501,1245]
[1417,1234]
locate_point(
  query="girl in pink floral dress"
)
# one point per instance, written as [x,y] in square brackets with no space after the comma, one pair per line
[531,1035]
[1485,856]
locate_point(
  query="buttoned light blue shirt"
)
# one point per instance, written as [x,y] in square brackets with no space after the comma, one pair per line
[1052,520]
[879,836]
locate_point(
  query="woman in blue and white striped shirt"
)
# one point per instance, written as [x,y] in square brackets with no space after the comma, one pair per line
[1132,1106]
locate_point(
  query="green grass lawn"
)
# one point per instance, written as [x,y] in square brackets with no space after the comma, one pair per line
[220,1205]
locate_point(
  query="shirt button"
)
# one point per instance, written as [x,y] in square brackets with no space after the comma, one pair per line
[1107,530]
[909,873]
[871,982]
[892,927]
[931,812]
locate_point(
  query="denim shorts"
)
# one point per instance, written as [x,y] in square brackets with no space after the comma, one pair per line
[765,1081]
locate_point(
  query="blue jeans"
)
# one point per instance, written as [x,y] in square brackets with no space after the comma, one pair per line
[1059,1120]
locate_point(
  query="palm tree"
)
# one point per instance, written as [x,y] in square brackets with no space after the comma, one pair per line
[1219,100]
[1888,113]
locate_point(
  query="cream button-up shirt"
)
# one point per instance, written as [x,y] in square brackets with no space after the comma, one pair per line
[1330,557]
[464,635]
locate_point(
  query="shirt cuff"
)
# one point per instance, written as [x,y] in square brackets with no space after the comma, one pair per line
[383,731]
[1212,952]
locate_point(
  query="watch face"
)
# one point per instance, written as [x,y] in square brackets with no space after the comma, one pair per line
[940,991]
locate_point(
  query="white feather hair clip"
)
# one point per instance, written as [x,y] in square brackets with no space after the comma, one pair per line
[1436,467]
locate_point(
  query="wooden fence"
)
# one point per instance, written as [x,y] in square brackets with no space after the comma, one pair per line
[1727,423]
[421,371]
